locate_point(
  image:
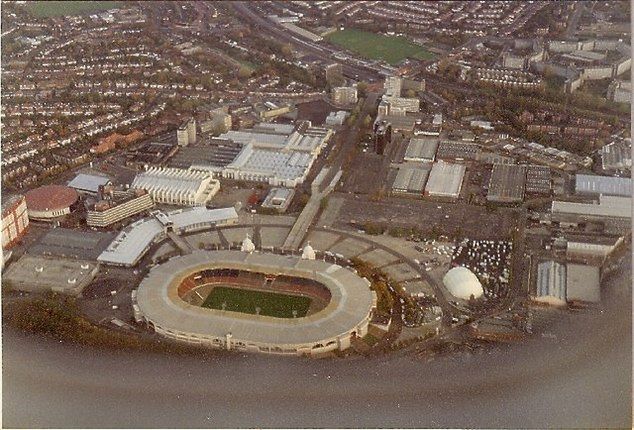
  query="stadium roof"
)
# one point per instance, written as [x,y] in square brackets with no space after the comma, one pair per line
[349,307]
[609,185]
[89,183]
[445,179]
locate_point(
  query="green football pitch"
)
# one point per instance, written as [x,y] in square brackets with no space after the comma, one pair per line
[392,49]
[246,301]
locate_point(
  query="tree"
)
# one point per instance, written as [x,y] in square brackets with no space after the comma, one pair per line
[362,89]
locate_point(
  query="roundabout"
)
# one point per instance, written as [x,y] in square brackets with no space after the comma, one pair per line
[176,299]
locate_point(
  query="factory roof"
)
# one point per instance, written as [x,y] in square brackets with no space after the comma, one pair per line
[177,180]
[411,179]
[608,206]
[88,183]
[583,283]
[445,179]
[551,282]
[421,149]
[507,183]
[609,185]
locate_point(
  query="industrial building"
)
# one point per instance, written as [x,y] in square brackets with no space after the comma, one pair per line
[177,186]
[15,219]
[73,244]
[591,249]
[450,150]
[39,274]
[551,283]
[209,153]
[421,149]
[617,156]
[605,185]
[336,118]
[135,240]
[344,95]
[538,180]
[608,206]
[506,184]
[278,199]
[583,283]
[117,206]
[88,184]
[49,202]
[445,180]
[411,179]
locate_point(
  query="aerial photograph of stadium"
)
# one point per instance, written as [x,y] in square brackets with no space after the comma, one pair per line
[316,214]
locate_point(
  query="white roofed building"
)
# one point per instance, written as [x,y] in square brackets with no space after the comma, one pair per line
[177,186]
[462,283]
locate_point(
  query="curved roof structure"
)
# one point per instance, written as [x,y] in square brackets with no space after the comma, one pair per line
[50,198]
[463,283]
[350,305]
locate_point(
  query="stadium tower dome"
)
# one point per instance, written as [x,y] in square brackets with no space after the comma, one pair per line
[463,283]
[247,245]
[308,253]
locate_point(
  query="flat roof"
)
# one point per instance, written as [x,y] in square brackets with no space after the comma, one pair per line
[350,304]
[507,183]
[608,206]
[64,242]
[445,179]
[583,283]
[411,179]
[36,273]
[420,149]
[608,185]
[90,183]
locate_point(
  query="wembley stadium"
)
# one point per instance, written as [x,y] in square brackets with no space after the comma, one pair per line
[256,302]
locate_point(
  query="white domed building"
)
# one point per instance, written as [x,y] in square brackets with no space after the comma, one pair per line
[462,283]
[308,253]
[247,245]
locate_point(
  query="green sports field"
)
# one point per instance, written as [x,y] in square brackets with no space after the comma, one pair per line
[245,301]
[43,9]
[392,49]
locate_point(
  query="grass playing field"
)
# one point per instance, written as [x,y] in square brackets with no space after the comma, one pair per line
[392,49]
[44,9]
[245,301]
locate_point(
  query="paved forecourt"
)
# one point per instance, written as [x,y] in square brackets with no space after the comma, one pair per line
[347,314]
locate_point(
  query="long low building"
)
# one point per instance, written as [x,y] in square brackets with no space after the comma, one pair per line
[177,186]
[410,180]
[346,315]
[106,212]
[445,180]
[608,206]
[421,149]
[507,183]
[135,240]
[605,185]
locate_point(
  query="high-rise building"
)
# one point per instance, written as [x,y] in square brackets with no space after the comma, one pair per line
[15,219]
[186,132]
[382,136]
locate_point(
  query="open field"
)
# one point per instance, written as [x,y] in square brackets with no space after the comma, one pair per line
[42,9]
[245,301]
[391,49]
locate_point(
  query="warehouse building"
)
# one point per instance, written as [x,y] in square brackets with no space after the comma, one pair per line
[608,206]
[15,220]
[551,283]
[583,283]
[445,180]
[112,208]
[212,154]
[591,249]
[606,185]
[421,149]
[538,180]
[507,183]
[177,186]
[449,150]
[410,179]
[73,244]
[48,202]
[88,184]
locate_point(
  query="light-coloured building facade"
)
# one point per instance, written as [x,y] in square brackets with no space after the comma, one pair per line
[15,220]
[177,186]
[107,213]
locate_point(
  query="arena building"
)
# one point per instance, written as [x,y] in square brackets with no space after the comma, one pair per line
[48,202]
[15,220]
[463,283]
[173,300]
